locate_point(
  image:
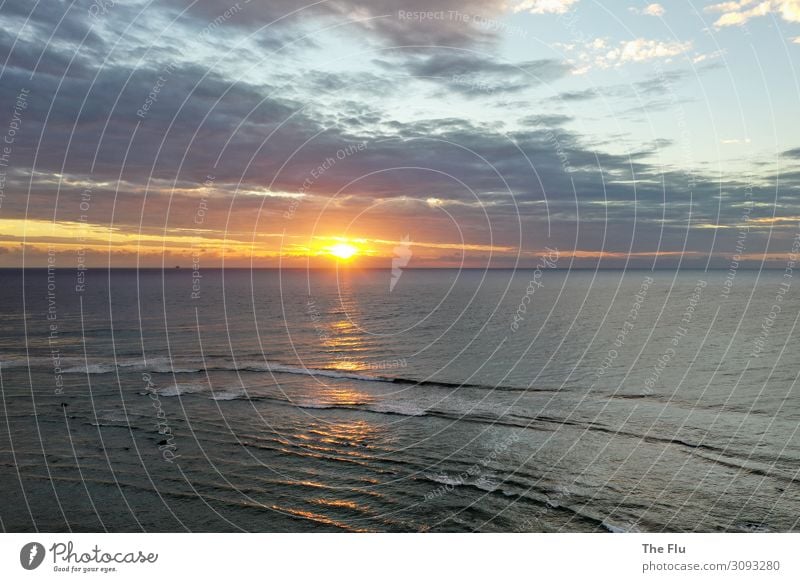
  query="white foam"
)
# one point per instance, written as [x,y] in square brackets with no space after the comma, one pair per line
[444,479]
[229,395]
[159,365]
[487,483]
[90,369]
[163,365]
[183,388]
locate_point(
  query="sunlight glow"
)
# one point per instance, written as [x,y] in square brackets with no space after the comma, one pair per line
[343,251]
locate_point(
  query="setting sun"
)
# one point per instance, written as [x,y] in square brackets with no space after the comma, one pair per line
[343,251]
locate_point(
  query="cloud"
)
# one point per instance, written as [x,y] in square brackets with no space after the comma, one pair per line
[641,49]
[663,82]
[738,13]
[600,53]
[581,95]
[546,120]
[544,6]
[712,56]
[271,130]
[790,10]
[654,9]
[457,22]
[471,73]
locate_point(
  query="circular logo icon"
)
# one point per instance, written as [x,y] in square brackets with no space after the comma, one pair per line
[31,555]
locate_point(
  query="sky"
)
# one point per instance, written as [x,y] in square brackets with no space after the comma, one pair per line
[478,134]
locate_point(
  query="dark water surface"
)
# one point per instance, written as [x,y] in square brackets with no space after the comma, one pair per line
[294,401]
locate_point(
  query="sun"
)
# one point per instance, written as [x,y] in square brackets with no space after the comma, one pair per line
[343,251]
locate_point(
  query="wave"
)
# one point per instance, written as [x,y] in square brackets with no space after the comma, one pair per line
[90,369]
[161,365]
[323,372]
[403,408]
[348,375]
[444,479]
[164,365]
[407,408]
[482,482]
[523,492]
[183,388]
[399,407]
[227,395]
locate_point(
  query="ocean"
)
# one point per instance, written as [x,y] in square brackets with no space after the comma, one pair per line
[438,400]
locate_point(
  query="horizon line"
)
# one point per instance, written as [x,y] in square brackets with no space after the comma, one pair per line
[346,269]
